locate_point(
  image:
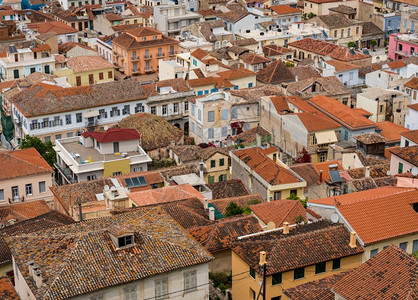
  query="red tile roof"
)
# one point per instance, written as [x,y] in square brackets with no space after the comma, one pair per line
[21,163]
[275,73]
[56,27]
[285,9]
[390,208]
[396,64]
[252,58]
[227,189]
[23,211]
[410,154]
[113,135]
[390,131]
[411,135]
[317,122]
[280,104]
[270,171]
[7,291]
[413,106]
[391,274]
[342,66]
[324,166]
[279,211]
[339,111]
[242,201]
[413,83]
[325,48]
[88,63]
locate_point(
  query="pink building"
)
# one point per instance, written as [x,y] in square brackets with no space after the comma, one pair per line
[402,46]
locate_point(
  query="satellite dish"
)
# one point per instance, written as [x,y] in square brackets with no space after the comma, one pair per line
[334,218]
[414,171]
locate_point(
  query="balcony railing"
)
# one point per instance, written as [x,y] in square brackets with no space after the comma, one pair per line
[16,199]
[45,124]
[172,53]
[149,70]
[160,54]
[146,57]
[135,58]
[136,72]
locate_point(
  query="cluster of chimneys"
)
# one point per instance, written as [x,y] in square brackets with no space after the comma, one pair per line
[35,272]
[210,209]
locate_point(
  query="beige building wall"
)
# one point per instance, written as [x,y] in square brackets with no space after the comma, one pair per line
[222,261]
[243,283]
[218,170]
[99,76]
[323,8]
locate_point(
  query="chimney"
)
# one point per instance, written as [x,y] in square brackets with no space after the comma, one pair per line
[286,228]
[38,278]
[80,212]
[31,263]
[212,214]
[353,239]
[296,78]
[201,170]
[262,258]
[258,139]
[367,173]
[205,204]
[320,176]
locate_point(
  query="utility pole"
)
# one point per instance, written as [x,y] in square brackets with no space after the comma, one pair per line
[263,264]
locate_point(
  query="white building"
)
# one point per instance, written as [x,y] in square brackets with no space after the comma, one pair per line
[171,18]
[347,73]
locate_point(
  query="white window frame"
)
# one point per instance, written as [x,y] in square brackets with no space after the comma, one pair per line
[1,194]
[190,281]
[29,189]
[15,193]
[129,293]
[44,188]
[161,288]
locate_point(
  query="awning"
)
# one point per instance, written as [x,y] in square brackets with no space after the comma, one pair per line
[326,137]
[91,114]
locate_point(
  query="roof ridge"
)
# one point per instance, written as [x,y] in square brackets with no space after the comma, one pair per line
[363,199]
[29,162]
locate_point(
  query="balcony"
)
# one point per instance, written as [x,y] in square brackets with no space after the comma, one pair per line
[149,70]
[16,199]
[148,57]
[172,53]
[160,55]
[91,123]
[135,58]
[136,72]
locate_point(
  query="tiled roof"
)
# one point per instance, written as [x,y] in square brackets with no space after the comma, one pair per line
[323,1]
[244,42]
[315,242]
[370,28]
[56,27]
[329,86]
[255,93]
[113,17]
[387,205]
[376,171]
[391,274]
[330,49]
[242,201]
[275,73]
[202,81]
[7,291]
[113,135]
[341,66]
[21,163]
[340,112]
[227,189]
[187,153]
[411,135]
[344,9]
[413,83]
[273,50]
[370,138]
[396,64]
[236,74]
[316,122]
[219,235]
[252,58]
[165,194]
[39,222]
[42,99]
[155,131]
[285,9]
[363,112]
[128,40]
[248,137]
[18,212]
[279,211]
[324,166]
[270,171]
[280,104]
[304,72]
[232,16]
[308,172]
[413,106]
[336,21]
[65,47]
[368,183]
[81,258]
[88,63]
[410,154]
[390,131]
[315,290]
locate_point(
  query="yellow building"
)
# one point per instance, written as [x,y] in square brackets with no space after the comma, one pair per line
[85,70]
[290,257]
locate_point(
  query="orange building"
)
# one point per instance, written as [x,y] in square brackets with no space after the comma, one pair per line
[138,50]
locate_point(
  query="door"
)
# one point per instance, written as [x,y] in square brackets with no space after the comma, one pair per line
[15,193]
[277,195]
[116,147]
[47,69]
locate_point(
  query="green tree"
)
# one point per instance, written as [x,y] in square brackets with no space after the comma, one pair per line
[299,219]
[352,45]
[295,197]
[289,64]
[44,148]
[373,43]
[233,209]
[311,15]
[247,210]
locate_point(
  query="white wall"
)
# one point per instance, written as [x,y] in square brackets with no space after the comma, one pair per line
[411,120]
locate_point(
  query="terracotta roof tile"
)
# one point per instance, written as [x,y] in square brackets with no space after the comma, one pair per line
[244,42]
[255,93]
[396,64]
[248,137]
[236,74]
[270,171]
[387,205]
[336,21]
[410,154]
[390,131]
[274,50]
[308,172]
[65,47]
[413,106]
[376,171]
[279,211]
[128,40]
[413,83]
[304,72]
[324,166]
[285,9]
[280,104]
[22,211]
[275,73]
[370,138]
[112,135]
[88,248]
[7,291]
[411,135]
[242,201]
[341,66]
[344,9]
[316,242]
[329,86]
[317,122]
[21,163]
[88,63]
[56,27]
[218,236]
[227,189]
[391,274]
[252,58]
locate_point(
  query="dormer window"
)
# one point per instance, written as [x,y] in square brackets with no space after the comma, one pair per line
[122,236]
[144,38]
[125,241]
[155,37]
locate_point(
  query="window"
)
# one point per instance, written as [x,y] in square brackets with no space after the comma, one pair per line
[16,74]
[213,163]
[299,273]
[78,117]
[137,169]
[58,136]
[335,33]
[126,110]
[1,195]
[165,109]
[400,168]
[161,288]
[42,187]
[277,195]
[124,241]
[295,192]
[176,108]
[78,80]
[102,114]
[222,178]
[357,30]
[234,113]
[320,267]
[373,252]
[110,74]
[252,272]
[211,179]
[199,114]
[153,110]
[101,76]
[224,131]
[403,246]
[349,32]
[32,70]
[414,243]
[15,193]
[276,279]
[211,133]
[221,162]
[91,177]
[114,112]
[67,119]
[98,297]
[190,281]
[336,264]
[186,105]
[139,108]
[224,114]
[322,157]
[342,33]
[346,135]
[211,116]
[129,293]
[47,138]
[192,109]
